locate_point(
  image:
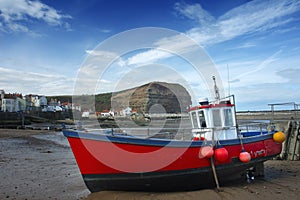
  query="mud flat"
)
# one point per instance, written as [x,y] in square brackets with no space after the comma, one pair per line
[33,168]
[40,165]
[281,181]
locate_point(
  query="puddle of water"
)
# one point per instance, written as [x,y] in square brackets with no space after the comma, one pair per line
[56,137]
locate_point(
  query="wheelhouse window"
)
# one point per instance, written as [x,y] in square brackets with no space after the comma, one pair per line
[228,117]
[216,118]
[202,119]
[194,119]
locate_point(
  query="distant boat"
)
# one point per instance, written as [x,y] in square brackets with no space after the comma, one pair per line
[218,151]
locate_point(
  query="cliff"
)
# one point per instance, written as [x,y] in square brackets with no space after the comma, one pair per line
[157,97]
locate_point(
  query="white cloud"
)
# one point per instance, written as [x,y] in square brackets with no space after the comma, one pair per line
[253,70]
[35,83]
[14,12]
[252,17]
[148,57]
[102,54]
[243,46]
[164,48]
[194,12]
[105,30]
[292,75]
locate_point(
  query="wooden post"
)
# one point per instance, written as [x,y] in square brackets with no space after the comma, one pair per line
[213,164]
[296,135]
[214,173]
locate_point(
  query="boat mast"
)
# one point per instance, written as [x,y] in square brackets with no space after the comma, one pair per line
[217,94]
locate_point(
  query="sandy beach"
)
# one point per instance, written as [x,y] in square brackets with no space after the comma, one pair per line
[33,168]
[281,182]
[40,165]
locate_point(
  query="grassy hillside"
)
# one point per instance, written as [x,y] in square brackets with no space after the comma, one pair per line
[102,101]
[169,95]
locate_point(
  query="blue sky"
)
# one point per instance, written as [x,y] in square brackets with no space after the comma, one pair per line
[44,44]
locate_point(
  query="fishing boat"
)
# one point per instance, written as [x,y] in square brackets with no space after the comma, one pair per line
[218,151]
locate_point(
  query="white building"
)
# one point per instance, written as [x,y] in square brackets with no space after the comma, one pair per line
[2,93]
[13,104]
[42,101]
[38,101]
[127,111]
[8,105]
[35,102]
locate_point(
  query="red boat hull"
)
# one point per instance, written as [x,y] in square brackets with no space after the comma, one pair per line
[109,162]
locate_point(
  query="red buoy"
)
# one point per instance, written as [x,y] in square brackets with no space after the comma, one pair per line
[196,138]
[221,154]
[206,152]
[245,156]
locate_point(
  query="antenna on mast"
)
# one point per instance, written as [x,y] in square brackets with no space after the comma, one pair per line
[228,80]
[217,94]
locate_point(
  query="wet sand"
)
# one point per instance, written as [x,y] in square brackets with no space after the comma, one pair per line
[34,168]
[281,181]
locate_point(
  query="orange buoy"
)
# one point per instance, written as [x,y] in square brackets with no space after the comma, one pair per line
[221,154]
[206,152]
[196,138]
[279,137]
[245,156]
